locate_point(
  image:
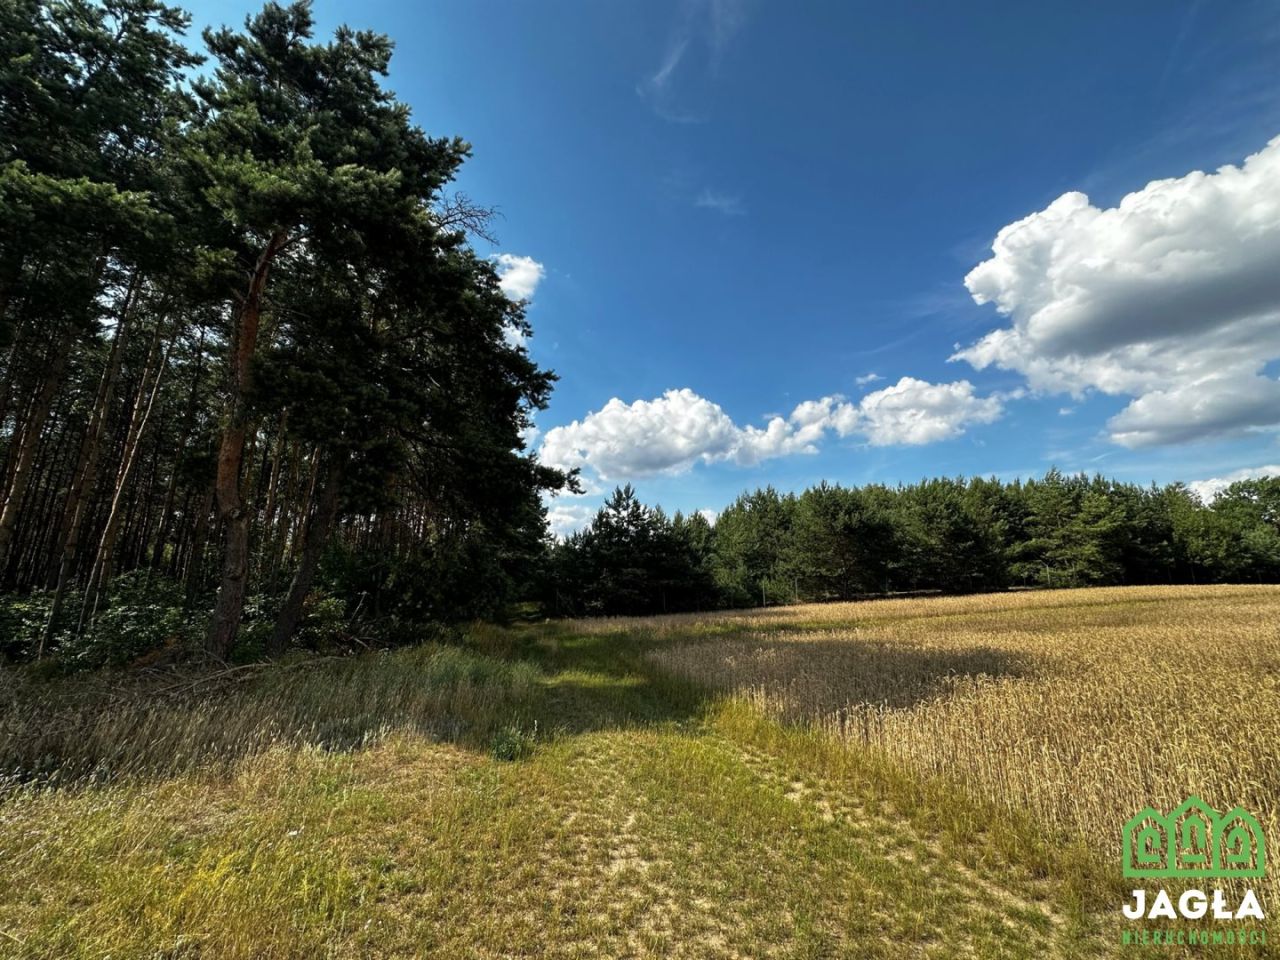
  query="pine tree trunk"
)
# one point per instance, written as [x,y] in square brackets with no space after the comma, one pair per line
[10,375]
[87,468]
[188,425]
[229,607]
[26,453]
[195,558]
[138,527]
[40,514]
[268,563]
[318,529]
[9,276]
[100,575]
[166,513]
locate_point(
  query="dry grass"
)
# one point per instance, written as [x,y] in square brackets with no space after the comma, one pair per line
[105,728]
[1077,707]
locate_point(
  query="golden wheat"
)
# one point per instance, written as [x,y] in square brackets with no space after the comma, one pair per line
[1079,707]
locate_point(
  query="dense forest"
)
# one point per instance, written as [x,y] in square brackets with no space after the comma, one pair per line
[943,536]
[244,336]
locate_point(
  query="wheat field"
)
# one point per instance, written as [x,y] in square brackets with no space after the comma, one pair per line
[1079,708]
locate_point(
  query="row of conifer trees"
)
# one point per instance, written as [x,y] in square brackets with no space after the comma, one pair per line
[945,535]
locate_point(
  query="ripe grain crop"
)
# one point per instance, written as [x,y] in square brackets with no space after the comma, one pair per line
[1076,707]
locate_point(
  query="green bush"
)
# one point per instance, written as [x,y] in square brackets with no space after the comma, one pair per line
[143,614]
[514,742]
[22,618]
[140,615]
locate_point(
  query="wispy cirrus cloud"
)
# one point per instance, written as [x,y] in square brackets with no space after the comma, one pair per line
[678,89]
[726,203]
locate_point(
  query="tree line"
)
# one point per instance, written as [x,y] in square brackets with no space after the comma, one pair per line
[942,535]
[244,335]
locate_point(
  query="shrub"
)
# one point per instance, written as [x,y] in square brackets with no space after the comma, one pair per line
[22,618]
[143,614]
[514,742]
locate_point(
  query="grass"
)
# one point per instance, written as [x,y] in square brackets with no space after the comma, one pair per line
[668,787]
[86,727]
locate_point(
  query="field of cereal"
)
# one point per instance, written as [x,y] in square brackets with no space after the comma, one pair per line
[1080,707]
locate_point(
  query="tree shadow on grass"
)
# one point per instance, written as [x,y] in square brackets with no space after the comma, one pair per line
[607,679]
[819,677]
[101,727]
[598,681]
[558,681]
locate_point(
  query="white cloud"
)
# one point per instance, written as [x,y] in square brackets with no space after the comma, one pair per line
[679,429]
[679,89]
[914,412]
[1171,298]
[649,436]
[519,276]
[728,204]
[709,515]
[1216,404]
[1206,490]
[566,518]
[867,378]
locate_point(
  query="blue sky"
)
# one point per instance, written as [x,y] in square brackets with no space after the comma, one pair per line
[735,211]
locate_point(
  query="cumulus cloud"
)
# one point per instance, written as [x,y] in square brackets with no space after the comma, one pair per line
[680,429]
[566,518]
[867,378]
[519,276]
[645,437]
[1171,298]
[1206,490]
[914,412]
[1212,405]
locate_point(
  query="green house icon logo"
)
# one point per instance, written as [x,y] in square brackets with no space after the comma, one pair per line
[1194,841]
